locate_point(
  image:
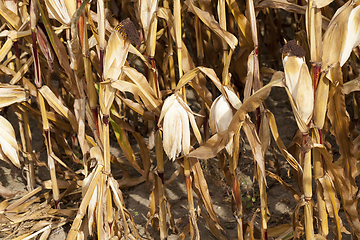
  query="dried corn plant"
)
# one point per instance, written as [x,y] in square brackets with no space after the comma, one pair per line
[88,76]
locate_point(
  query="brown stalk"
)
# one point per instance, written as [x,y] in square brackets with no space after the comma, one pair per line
[194,231]
[25,133]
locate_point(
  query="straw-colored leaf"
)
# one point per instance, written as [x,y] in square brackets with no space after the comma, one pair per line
[281,4]
[339,119]
[8,143]
[9,16]
[10,94]
[210,21]
[58,106]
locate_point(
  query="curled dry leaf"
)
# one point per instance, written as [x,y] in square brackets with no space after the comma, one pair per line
[210,21]
[10,94]
[8,143]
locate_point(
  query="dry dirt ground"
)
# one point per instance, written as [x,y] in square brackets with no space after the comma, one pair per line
[280,202]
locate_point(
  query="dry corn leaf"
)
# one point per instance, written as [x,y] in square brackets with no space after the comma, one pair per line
[245,38]
[9,16]
[352,86]
[210,21]
[289,158]
[6,47]
[10,94]
[282,4]
[200,184]
[8,143]
[140,81]
[125,146]
[6,193]
[58,106]
[136,107]
[45,47]
[339,119]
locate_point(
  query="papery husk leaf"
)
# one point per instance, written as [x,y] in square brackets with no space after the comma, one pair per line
[58,10]
[353,38]
[58,106]
[304,95]
[10,94]
[176,136]
[335,35]
[209,21]
[321,101]
[217,142]
[8,143]
[115,56]
[106,97]
[299,120]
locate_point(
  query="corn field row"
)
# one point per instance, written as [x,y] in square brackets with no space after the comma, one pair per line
[90,71]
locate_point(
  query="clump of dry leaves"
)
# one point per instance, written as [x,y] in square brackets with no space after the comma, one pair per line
[80,71]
